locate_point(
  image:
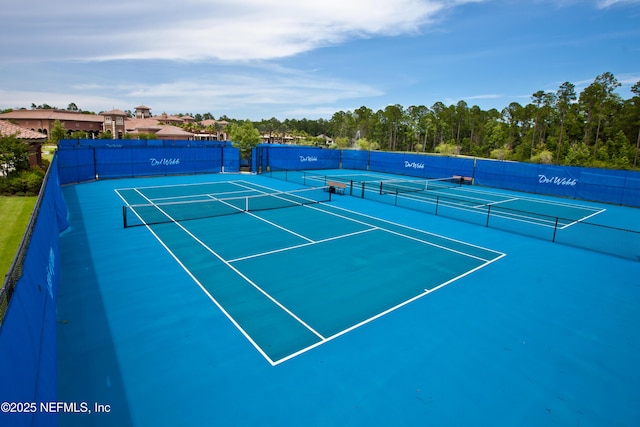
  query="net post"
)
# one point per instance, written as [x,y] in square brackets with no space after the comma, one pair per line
[396,201]
[124,216]
[381,188]
[488,215]
[351,188]
[246,204]
[363,189]
[437,203]
[555,230]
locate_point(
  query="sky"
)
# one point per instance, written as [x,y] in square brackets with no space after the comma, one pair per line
[258,59]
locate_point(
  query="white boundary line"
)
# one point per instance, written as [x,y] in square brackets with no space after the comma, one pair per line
[239,273]
[385,312]
[206,292]
[397,233]
[189,184]
[479,209]
[311,243]
[323,339]
[388,222]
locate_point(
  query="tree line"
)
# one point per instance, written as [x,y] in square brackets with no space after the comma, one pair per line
[593,128]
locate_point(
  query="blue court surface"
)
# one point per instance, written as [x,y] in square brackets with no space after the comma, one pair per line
[244,300]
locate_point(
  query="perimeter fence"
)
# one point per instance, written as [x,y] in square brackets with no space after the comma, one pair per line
[28,349]
[88,160]
[621,187]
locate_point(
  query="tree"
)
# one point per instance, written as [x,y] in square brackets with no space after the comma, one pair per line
[475,117]
[14,155]
[58,132]
[419,123]
[542,102]
[438,118]
[42,107]
[596,98]
[363,117]
[566,95]
[636,102]
[393,115]
[244,137]
[513,115]
[461,112]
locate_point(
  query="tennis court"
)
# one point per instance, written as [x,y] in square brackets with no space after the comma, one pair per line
[345,272]
[554,219]
[246,300]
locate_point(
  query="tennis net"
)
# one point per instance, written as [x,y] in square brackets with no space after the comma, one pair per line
[159,213]
[409,186]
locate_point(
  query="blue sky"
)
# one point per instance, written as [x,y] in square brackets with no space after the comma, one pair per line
[257,59]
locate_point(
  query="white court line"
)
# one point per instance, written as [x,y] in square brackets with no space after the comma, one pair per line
[160,199]
[537,200]
[239,273]
[446,248]
[395,232]
[324,340]
[503,201]
[511,216]
[385,312]
[581,219]
[269,222]
[412,229]
[206,292]
[191,184]
[288,248]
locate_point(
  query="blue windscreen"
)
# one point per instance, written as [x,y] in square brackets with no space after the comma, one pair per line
[76,164]
[292,157]
[604,185]
[28,351]
[80,164]
[420,165]
[355,159]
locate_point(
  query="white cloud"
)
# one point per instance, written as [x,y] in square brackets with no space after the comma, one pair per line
[254,93]
[197,29]
[232,92]
[87,102]
[607,3]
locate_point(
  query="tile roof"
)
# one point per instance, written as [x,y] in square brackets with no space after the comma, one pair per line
[141,124]
[114,113]
[7,129]
[61,115]
[172,131]
[211,122]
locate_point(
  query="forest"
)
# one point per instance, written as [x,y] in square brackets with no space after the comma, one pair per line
[594,128]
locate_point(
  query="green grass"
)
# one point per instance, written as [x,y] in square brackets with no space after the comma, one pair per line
[47,151]
[14,217]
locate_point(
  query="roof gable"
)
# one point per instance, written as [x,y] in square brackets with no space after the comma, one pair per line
[8,129]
